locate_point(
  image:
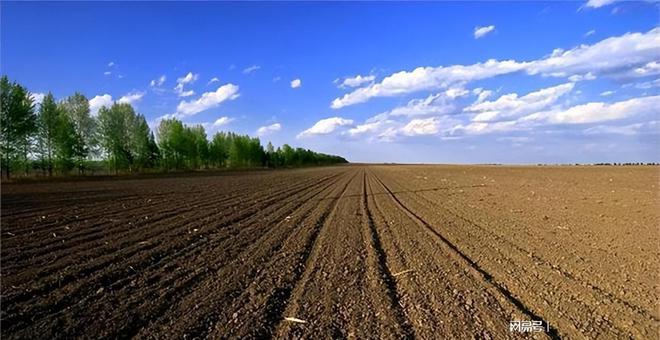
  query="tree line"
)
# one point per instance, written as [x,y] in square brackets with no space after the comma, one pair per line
[62,137]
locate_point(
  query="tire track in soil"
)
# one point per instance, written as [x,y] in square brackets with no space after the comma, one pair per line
[178,295]
[161,218]
[136,268]
[539,260]
[210,308]
[136,248]
[585,290]
[100,230]
[384,275]
[283,297]
[475,269]
[440,295]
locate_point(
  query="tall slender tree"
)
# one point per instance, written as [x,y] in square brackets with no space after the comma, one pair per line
[48,121]
[17,124]
[76,107]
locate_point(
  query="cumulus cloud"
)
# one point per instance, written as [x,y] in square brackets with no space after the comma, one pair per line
[222,121]
[481,94]
[645,85]
[511,104]
[181,82]
[158,82]
[598,112]
[426,126]
[479,128]
[131,98]
[251,69]
[213,80]
[268,129]
[615,56]
[650,69]
[325,126]
[208,100]
[440,103]
[480,32]
[427,78]
[96,103]
[364,128]
[599,3]
[628,130]
[296,83]
[355,81]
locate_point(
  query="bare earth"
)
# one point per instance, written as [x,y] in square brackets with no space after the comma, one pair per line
[353,251]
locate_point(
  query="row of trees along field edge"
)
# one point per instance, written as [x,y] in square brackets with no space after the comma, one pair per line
[62,137]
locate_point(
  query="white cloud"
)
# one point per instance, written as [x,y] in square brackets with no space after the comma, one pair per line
[615,56]
[38,97]
[276,79]
[598,112]
[107,73]
[222,121]
[296,83]
[368,127]
[268,129]
[99,101]
[426,126]
[479,128]
[213,80]
[650,69]
[580,77]
[440,103]
[514,139]
[646,84]
[188,78]
[480,32]
[208,100]
[356,81]
[325,126]
[251,69]
[481,94]
[599,3]
[591,32]
[511,104]
[427,78]
[628,130]
[158,82]
[607,93]
[111,64]
[181,82]
[131,98]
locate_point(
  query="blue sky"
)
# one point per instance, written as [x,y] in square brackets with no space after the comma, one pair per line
[448,82]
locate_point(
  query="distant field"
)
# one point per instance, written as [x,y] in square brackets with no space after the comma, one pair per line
[376,251]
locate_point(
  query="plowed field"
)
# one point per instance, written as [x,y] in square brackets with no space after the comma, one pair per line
[348,252]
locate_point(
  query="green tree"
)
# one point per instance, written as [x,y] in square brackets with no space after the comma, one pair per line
[17,123]
[126,138]
[48,121]
[171,140]
[146,150]
[219,149]
[76,107]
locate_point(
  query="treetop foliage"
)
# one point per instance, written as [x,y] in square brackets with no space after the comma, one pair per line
[63,136]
